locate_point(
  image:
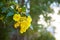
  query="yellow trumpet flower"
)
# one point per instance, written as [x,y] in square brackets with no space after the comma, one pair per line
[16,17]
[22,22]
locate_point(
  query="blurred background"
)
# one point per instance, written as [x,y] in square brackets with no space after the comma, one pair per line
[45,25]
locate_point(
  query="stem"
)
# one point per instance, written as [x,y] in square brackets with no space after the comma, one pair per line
[17,34]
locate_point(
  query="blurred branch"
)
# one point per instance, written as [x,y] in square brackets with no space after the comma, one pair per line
[21,2]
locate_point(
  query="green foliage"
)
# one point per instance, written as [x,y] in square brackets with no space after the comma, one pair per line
[37,8]
[41,7]
[3,31]
[6,13]
[6,10]
[46,36]
[24,9]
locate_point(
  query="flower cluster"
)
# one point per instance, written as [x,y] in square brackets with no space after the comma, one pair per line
[22,22]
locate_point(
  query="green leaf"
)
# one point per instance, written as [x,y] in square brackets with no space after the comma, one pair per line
[10,14]
[23,9]
[1,4]
[12,2]
[4,9]
[9,20]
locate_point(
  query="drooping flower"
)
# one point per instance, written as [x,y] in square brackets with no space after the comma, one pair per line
[16,25]
[25,24]
[16,17]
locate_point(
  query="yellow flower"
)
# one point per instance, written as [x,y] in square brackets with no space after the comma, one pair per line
[16,25]
[23,22]
[29,19]
[22,19]
[22,30]
[16,17]
[19,9]
[24,26]
[27,25]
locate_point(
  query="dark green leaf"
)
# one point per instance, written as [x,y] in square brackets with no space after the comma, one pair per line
[1,4]
[10,14]
[23,9]
[4,9]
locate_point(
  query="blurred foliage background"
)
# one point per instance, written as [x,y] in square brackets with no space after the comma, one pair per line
[37,7]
